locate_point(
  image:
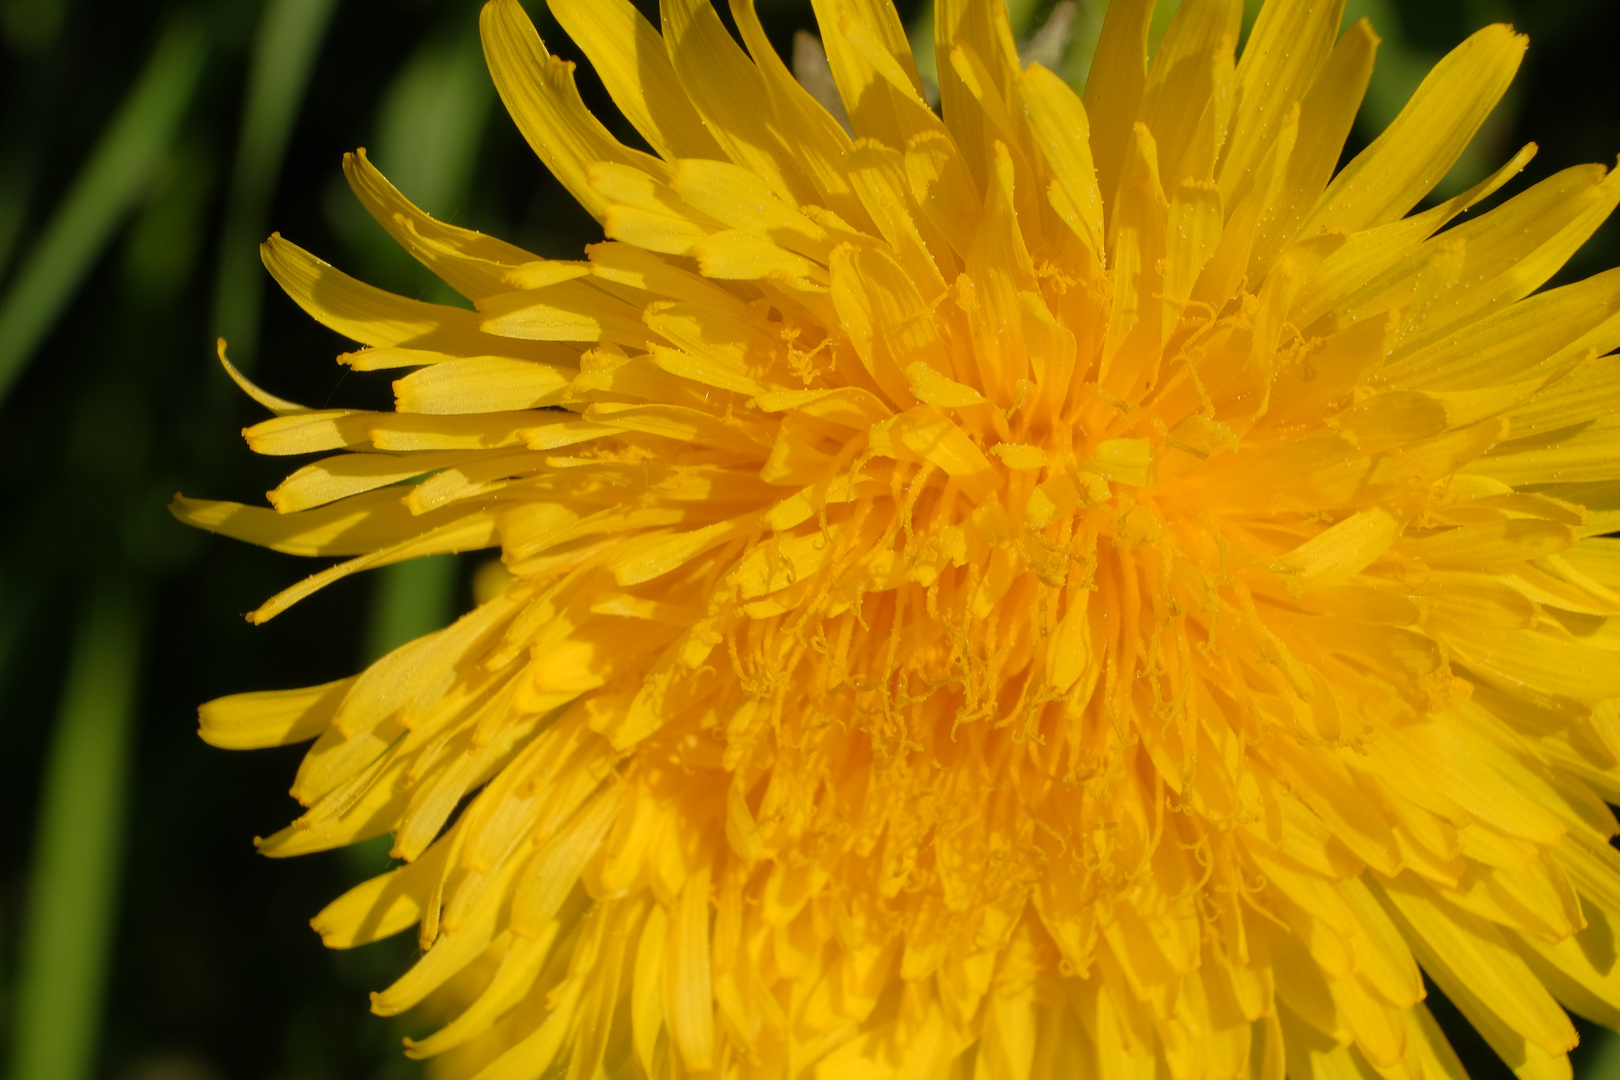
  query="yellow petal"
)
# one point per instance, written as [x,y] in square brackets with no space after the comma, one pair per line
[575,310]
[383,906]
[308,432]
[726,337]
[1186,101]
[847,406]
[1505,541]
[1534,337]
[270,717]
[872,65]
[1589,454]
[676,422]
[360,524]
[1057,120]
[925,434]
[734,255]
[1347,548]
[878,174]
[628,54]
[1370,255]
[1136,242]
[659,554]
[709,369]
[688,999]
[1286,50]
[1430,1049]
[819,141]
[1114,90]
[1416,151]
[1527,658]
[1510,251]
[479,431]
[469,532]
[523,959]
[726,89]
[349,474]
[470,262]
[1567,968]
[1382,955]
[642,271]
[453,950]
[1326,114]
[476,477]
[478,384]
[1192,232]
[943,187]
[978,80]
[539,92]
[1478,970]
[1592,392]
[646,993]
[741,200]
[641,210]
[935,389]
[279,406]
[555,869]
[364,312]
[1223,273]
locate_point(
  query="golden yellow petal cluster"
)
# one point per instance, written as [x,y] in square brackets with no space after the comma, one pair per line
[1059,587]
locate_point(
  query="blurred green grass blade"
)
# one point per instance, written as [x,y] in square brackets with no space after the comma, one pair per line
[118,170]
[73,884]
[1603,1059]
[284,50]
[429,127]
[432,121]
[1088,21]
[1021,13]
[411,599]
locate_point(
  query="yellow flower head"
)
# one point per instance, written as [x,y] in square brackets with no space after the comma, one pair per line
[1068,587]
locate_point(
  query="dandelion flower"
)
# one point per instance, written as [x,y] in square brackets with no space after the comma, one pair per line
[1067,586]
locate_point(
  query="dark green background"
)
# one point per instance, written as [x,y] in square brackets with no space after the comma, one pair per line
[211,968]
